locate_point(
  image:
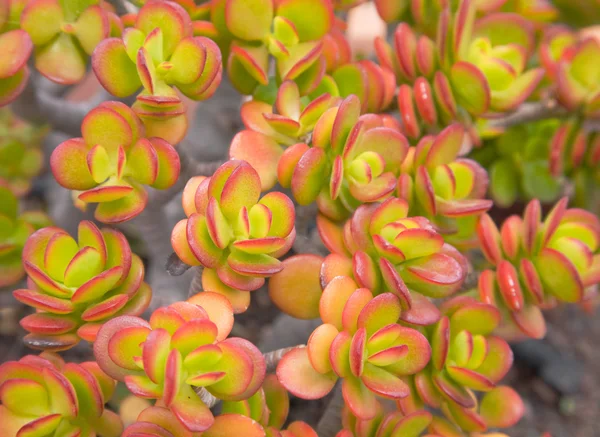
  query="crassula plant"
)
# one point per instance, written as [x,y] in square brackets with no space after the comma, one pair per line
[415,208]
[20,156]
[16,228]
[76,285]
[113,161]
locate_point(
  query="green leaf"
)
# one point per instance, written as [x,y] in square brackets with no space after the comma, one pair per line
[504,179]
[73,8]
[538,182]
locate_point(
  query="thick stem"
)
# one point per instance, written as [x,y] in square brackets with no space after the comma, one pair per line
[331,421]
[208,399]
[196,285]
[175,266]
[529,112]
[42,103]
[272,358]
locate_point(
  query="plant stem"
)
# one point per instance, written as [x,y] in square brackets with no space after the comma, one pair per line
[272,358]
[196,285]
[331,420]
[175,266]
[529,112]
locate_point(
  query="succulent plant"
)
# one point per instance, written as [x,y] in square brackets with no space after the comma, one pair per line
[290,31]
[160,54]
[75,286]
[577,80]
[20,156]
[444,188]
[113,161]
[14,73]
[41,395]
[392,252]
[361,342]
[15,228]
[519,164]
[183,346]
[64,35]
[394,153]
[232,232]
[489,53]
[350,161]
[466,357]
[538,264]
[373,84]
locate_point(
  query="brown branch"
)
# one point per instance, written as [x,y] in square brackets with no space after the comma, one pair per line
[175,266]
[196,285]
[529,112]
[272,358]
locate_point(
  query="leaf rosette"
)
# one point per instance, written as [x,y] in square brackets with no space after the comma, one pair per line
[387,251]
[183,347]
[253,32]
[361,342]
[113,161]
[41,395]
[539,264]
[65,36]
[76,286]
[351,160]
[160,54]
[490,54]
[232,232]
[466,358]
[446,189]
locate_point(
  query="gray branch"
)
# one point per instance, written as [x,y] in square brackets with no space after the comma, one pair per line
[331,421]
[272,358]
[529,112]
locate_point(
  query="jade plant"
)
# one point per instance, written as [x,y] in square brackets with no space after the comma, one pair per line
[159,54]
[43,395]
[21,157]
[538,264]
[233,233]
[113,161]
[415,209]
[75,286]
[17,226]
